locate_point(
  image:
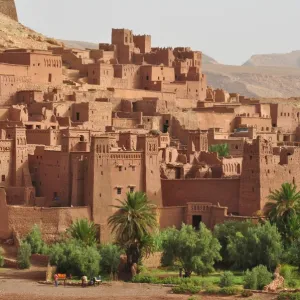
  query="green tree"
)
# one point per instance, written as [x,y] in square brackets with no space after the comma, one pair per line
[24,254]
[221,149]
[1,258]
[258,278]
[34,239]
[226,231]
[196,251]
[76,258]
[283,210]
[110,259]
[260,244]
[83,230]
[134,220]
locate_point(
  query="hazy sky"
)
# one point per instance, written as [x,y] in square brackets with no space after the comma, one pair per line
[228,30]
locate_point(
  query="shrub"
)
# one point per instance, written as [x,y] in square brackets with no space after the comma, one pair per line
[75,258]
[24,254]
[292,283]
[258,278]
[34,239]
[229,291]
[202,246]
[227,279]
[246,293]
[262,243]
[286,272]
[110,258]
[288,296]
[1,258]
[212,291]
[186,288]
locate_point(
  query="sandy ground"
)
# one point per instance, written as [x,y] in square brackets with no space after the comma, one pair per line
[22,285]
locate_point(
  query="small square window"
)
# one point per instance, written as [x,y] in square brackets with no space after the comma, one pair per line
[3,178]
[131,189]
[119,191]
[120,169]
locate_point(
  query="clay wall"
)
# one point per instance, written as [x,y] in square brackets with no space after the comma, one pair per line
[262,124]
[181,191]
[100,74]
[171,216]
[29,97]
[52,221]
[6,163]
[143,42]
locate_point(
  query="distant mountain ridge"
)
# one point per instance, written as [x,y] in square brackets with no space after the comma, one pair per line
[289,60]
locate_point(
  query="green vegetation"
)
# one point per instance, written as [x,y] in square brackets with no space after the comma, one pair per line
[283,209]
[195,251]
[260,244]
[34,239]
[76,258]
[221,149]
[1,258]
[227,279]
[83,230]
[132,224]
[289,296]
[110,259]
[258,278]
[24,254]
[186,288]
[246,293]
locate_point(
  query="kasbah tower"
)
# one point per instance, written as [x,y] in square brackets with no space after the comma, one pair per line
[132,117]
[8,7]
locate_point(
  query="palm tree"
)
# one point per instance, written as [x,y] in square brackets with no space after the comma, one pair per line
[83,230]
[132,223]
[283,209]
[221,149]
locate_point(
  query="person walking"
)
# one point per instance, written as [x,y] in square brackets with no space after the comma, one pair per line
[56,280]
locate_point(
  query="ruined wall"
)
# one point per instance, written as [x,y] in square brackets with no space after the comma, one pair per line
[8,8]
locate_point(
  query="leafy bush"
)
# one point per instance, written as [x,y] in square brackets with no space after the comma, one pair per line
[292,283]
[258,278]
[227,279]
[246,293]
[212,291]
[24,254]
[186,288]
[1,258]
[260,245]
[34,239]
[286,272]
[168,280]
[110,258]
[74,257]
[221,149]
[289,296]
[227,231]
[202,247]
[229,291]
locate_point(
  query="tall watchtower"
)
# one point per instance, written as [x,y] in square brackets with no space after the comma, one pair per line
[8,8]
[257,176]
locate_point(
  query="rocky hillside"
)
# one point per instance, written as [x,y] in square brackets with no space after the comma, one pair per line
[290,60]
[251,81]
[8,8]
[16,35]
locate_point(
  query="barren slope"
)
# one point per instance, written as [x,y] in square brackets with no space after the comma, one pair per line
[291,59]
[16,35]
[253,81]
